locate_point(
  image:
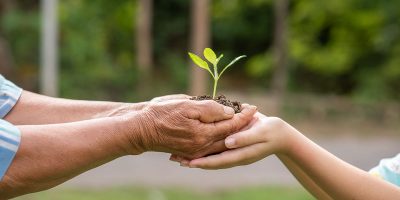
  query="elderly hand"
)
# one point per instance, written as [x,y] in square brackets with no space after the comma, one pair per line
[120,109]
[190,129]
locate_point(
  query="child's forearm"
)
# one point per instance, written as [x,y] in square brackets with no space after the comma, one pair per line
[303,178]
[320,171]
[336,177]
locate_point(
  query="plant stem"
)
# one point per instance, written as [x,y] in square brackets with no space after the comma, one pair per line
[216,77]
[215,87]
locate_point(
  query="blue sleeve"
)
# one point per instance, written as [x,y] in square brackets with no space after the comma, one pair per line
[10,136]
[9,95]
[388,169]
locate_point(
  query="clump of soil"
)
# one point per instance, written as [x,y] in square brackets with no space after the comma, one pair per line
[221,99]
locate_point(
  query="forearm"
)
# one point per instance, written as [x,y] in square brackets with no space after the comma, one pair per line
[337,178]
[33,108]
[51,154]
[303,178]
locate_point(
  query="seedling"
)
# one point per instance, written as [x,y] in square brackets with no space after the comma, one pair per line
[212,58]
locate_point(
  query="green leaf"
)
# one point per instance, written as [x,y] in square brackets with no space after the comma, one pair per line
[210,55]
[231,63]
[201,63]
[198,61]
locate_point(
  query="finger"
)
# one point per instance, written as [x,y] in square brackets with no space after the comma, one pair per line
[216,147]
[183,161]
[252,122]
[260,115]
[180,158]
[245,138]
[209,111]
[225,128]
[174,158]
[231,158]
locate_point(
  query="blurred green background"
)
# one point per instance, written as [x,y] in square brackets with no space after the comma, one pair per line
[344,47]
[337,62]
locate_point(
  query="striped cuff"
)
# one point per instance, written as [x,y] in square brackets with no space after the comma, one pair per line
[10,138]
[9,95]
[388,170]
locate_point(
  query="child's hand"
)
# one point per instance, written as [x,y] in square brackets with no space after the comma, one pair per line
[262,137]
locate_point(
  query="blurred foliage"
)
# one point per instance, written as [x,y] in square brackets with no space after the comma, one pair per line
[133,193]
[97,51]
[345,47]
[20,28]
[171,28]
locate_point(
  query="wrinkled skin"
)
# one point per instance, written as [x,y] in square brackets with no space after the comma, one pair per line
[190,129]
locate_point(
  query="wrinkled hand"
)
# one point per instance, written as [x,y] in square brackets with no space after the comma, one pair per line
[262,137]
[126,108]
[190,129]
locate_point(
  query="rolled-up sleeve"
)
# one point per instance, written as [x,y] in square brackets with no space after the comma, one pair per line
[9,95]
[10,136]
[388,169]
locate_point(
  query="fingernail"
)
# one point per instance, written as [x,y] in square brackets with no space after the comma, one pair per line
[229,110]
[230,142]
[253,107]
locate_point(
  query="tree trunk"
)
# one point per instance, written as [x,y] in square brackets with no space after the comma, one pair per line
[280,76]
[49,49]
[144,46]
[200,39]
[6,5]
[144,35]
[6,59]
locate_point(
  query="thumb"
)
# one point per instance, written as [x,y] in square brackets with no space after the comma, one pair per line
[209,111]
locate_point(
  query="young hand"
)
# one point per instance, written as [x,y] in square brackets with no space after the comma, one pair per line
[262,137]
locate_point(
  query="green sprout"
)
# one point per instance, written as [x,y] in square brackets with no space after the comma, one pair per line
[212,58]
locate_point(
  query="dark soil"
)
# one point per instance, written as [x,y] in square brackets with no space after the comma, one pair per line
[221,99]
